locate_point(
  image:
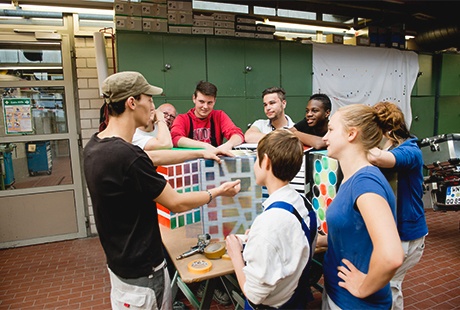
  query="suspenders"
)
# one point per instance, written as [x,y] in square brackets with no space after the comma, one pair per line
[309,233]
[302,294]
[213,131]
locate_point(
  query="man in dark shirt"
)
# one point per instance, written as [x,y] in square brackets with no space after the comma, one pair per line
[313,127]
[124,186]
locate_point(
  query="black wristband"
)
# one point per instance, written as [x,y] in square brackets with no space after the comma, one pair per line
[210,196]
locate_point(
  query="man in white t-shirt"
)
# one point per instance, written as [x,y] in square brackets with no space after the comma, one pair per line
[155,135]
[274,100]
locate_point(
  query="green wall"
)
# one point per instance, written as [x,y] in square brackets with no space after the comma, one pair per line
[436,96]
[242,68]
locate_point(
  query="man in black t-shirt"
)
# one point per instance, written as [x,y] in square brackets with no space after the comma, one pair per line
[313,127]
[124,187]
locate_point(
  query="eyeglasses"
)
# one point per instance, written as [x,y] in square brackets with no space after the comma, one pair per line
[169,116]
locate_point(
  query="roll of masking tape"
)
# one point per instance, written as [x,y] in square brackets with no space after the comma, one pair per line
[214,251]
[199,266]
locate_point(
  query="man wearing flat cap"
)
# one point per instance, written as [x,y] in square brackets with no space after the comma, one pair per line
[124,185]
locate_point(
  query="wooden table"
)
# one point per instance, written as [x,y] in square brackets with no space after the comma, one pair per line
[177,242]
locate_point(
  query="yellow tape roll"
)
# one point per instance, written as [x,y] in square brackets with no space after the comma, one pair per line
[199,266]
[214,250]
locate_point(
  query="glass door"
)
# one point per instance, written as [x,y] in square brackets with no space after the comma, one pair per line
[41,196]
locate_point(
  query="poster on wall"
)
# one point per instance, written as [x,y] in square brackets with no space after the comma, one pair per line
[18,115]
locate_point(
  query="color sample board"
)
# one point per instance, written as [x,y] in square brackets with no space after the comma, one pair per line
[230,215]
[184,177]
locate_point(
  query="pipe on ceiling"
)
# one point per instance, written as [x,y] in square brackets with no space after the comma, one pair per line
[439,39]
[30,14]
[41,14]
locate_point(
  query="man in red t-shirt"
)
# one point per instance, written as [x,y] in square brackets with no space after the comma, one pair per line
[204,127]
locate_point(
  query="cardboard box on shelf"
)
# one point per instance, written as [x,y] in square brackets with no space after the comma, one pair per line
[135,9]
[243,34]
[224,17]
[265,28]
[359,41]
[180,5]
[244,19]
[203,16]
[203,23]
[224,32]
[362,41]
[121,22]
[180,18]
[154,10]
[260,35]
[147,9]
[160,10]
[127,8]
[334,38]
[224,24]
[203,30]
[121,8]
[180,29]
[150,24]
[128,23]
[245,27]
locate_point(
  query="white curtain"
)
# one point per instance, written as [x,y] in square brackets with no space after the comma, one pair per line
[356,74]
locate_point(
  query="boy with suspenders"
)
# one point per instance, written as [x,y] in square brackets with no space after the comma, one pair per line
[272,267]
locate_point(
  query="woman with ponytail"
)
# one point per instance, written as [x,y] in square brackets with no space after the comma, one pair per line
[399,153]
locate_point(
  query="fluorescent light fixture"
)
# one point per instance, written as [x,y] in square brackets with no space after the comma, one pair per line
[29,68]
[33,31]
[223,7]
[301,28]
[259,10]
[296,14]
[10,17]
[39,8]
[292,35]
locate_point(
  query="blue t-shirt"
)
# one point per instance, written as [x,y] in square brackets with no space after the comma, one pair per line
[410,212]
[348,238]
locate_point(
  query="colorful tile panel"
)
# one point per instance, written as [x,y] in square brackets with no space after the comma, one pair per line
[184,177]
[230,215]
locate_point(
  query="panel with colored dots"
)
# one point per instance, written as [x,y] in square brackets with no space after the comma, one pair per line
[322,182]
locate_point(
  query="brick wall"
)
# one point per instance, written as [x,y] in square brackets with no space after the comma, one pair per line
[89,100]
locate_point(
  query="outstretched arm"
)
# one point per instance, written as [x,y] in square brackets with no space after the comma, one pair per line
[180,202]
[381,158]
[233,141]
[310,140]
[171,157]
[253,135]
[187,142]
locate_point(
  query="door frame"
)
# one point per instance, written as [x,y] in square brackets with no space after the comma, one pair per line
[9,32]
